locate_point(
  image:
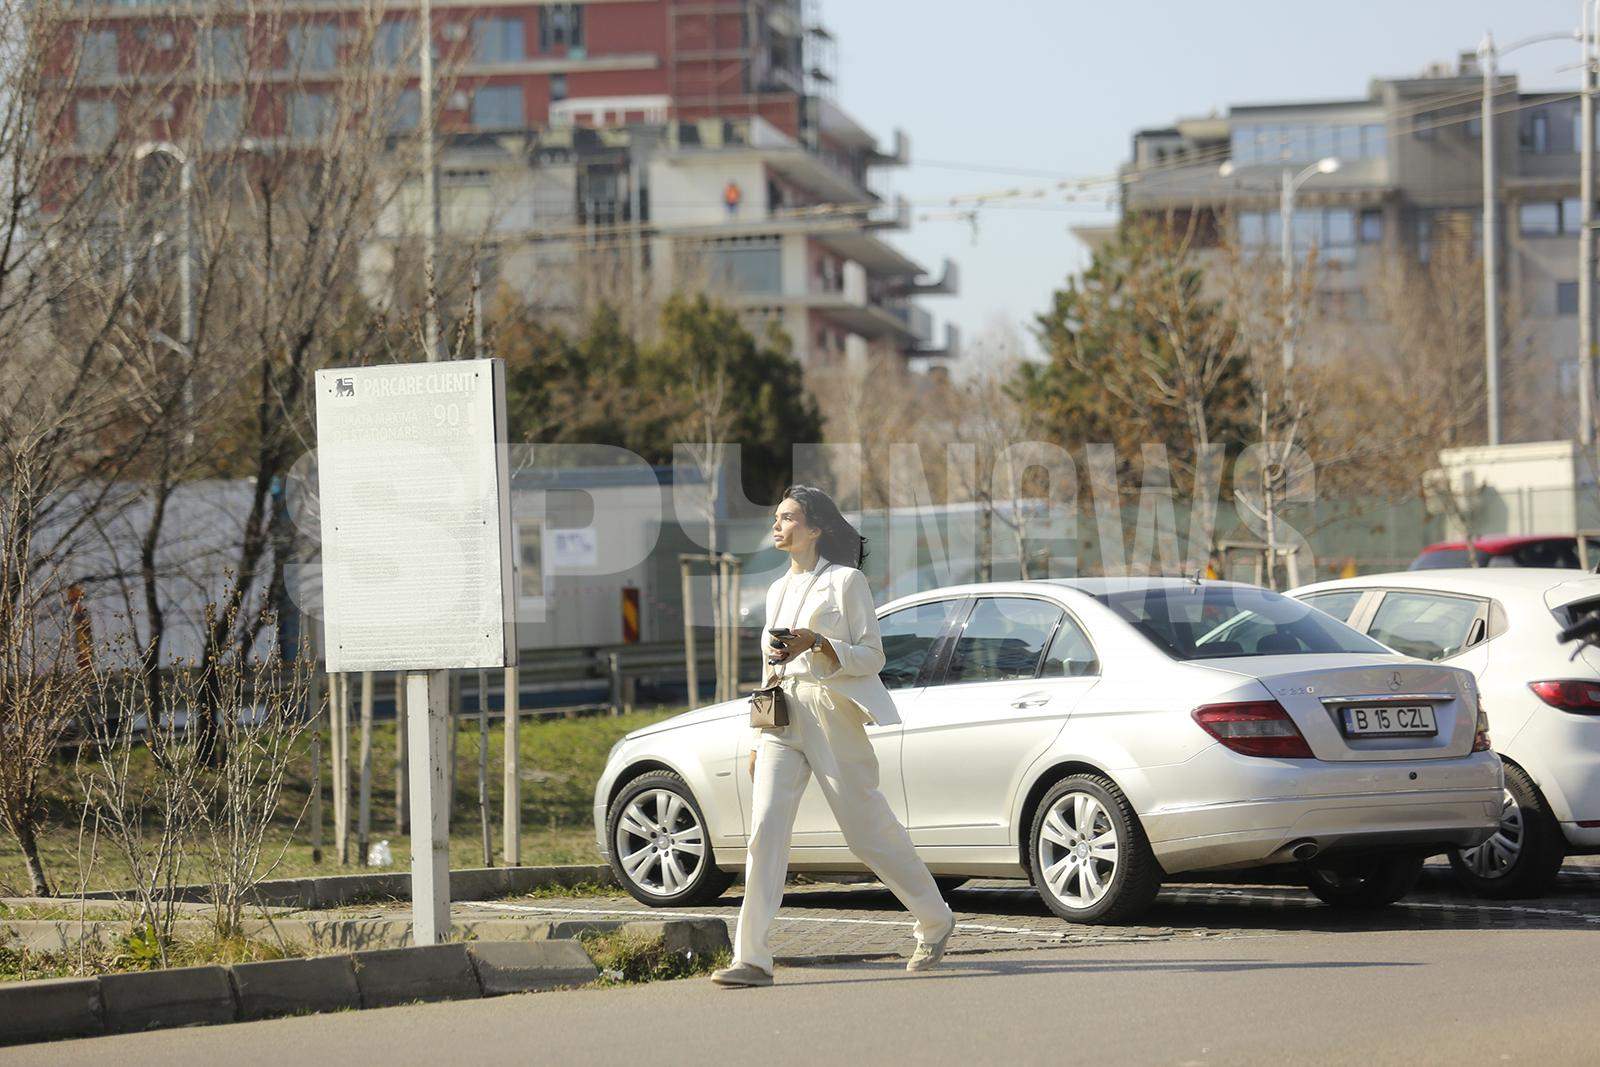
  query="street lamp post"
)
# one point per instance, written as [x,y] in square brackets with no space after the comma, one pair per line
[1488,61]
[1586,308]
[186,329]
[1289,185]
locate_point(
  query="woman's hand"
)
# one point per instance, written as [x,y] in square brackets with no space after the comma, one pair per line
[784,649]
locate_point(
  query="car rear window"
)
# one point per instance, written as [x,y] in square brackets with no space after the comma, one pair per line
[1211,622]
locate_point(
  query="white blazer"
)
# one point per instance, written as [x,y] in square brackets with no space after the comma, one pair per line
[839,607]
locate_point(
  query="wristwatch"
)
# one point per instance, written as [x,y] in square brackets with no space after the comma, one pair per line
[816,642]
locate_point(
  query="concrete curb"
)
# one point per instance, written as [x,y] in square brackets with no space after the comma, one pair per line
[337,890]
[55,1007]
[352,934]
[530,966]
[390,976]
[187,996]
[294,987]
[152,1000]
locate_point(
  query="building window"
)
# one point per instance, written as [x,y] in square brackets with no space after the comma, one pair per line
[1252,229]
[746,264]
[223,53]
[560,26]
[310,114]
[1371,226]
[497,107]
[1566,298]
[407,112]
[1329,229]
[497,40]
[1264,143]
[98,54]
[1539,219]
[558,87]
[396,43]
[97,123]
[1347,142]
[224,122]
[1339,227]
[1550,218]
[1536,134]
[1374,141]
[314,46]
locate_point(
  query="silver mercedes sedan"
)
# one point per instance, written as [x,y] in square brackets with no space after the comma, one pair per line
[1096,736]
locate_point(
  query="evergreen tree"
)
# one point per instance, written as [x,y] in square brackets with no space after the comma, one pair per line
[1137,351]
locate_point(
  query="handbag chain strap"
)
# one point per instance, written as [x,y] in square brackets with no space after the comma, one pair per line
[783,598]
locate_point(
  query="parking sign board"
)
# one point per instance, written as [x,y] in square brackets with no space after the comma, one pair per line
[416,516]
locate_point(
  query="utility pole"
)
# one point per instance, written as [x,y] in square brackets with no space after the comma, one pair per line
[1491,280]
[430,184]
[1286,251]
[1488,61]
[1586,321]
[427,692]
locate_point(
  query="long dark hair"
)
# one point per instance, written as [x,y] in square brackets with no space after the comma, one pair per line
[840,542]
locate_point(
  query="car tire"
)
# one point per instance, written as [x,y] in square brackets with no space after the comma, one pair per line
[946,883]
[665,871]
[1365,882]
[1524,856]
[1082,883]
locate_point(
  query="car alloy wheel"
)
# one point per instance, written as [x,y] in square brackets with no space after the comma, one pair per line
[660,842]
[1497,856]
[1078,853]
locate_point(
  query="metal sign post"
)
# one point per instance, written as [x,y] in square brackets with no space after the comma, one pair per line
[415,493]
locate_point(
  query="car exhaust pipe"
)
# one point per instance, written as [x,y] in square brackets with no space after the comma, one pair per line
[1305,850]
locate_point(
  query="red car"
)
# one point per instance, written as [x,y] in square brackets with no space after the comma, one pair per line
[1522,550]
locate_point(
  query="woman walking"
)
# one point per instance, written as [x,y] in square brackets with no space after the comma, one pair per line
[830,661]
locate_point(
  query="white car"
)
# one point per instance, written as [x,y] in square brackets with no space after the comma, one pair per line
[1543,701]
[1096,736]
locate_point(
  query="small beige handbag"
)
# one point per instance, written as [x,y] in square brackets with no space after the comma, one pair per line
[769,707]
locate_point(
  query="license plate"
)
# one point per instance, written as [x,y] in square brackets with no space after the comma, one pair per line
[1389,720]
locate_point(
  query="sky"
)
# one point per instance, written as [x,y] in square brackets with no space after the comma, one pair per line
[1055,89]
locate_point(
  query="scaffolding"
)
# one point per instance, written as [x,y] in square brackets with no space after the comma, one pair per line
[820,56]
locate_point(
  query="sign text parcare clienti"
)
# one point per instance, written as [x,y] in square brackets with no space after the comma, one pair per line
[415,491]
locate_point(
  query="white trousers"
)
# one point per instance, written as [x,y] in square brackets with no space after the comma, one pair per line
[828,739]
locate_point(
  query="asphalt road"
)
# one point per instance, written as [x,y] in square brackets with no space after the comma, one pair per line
[1411,997]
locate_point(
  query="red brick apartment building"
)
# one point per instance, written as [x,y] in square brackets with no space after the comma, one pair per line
[703,132]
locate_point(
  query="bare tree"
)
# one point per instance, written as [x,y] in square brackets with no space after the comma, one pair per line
[873,401]
[261,721]
[44,682]
[139,783]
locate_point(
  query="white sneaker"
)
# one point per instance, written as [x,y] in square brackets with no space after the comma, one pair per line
[742,974]
[930,953]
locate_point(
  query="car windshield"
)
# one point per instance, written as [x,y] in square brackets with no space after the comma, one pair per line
[1213,621]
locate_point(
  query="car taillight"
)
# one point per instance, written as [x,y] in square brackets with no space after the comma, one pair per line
[1570,694]
[1254,728]
[1480,736]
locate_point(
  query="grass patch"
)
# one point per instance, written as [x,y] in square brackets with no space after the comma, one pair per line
[98,909]
[134,951]
[628,957]
[560,760]
[580,889]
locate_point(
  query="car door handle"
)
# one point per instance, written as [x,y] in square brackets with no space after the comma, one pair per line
[1031,701]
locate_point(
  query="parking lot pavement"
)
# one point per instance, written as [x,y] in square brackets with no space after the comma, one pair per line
[826,921]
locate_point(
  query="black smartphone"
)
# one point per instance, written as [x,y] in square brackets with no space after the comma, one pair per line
[781,631]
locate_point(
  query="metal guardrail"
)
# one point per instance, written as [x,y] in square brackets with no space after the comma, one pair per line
[614,669]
